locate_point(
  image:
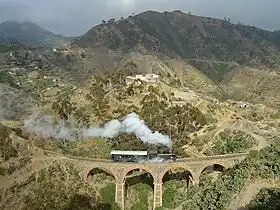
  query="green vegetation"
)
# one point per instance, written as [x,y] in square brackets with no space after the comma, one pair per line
[61,187]
[94,148]
[7,148]
[218,194]
[267,198]
[174,193]
[276,115]
[215,70]
[20,163]
[9,46]
[64,108]
[107,195]
[7,79]
[233,142]
[211,45]
[141,193]
[154,108]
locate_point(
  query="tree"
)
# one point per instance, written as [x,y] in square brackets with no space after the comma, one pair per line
[7,149]
[85,202]
[58,187]
[40,64]
[267,198]
[130,90]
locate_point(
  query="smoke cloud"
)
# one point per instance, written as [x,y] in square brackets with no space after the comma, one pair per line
[46,127]
[155,160]
[71,130]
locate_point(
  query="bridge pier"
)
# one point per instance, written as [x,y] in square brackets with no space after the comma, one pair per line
[119,196]
[195,178]
[157,195]
[119,170]
[195,181]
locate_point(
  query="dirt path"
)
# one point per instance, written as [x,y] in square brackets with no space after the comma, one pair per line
[226,124]
[261,141]
[214,133]
[250,190]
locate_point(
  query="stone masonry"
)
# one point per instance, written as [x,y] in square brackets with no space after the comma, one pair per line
[119,171]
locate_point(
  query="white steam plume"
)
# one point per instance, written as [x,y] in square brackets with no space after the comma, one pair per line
[131,124]
[46,127]
[70,131]
[153,160]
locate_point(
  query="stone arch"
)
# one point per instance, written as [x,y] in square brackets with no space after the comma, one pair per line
[138,167]
[143,175]
[172,178]
[97,170]
[186,169]
[102,183]
[210,168]
[180,175]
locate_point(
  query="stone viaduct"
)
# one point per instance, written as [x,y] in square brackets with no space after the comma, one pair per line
[195,166]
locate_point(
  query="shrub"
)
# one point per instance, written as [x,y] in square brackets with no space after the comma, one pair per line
[267,198]
[7,149]
[233,142]
[59,187]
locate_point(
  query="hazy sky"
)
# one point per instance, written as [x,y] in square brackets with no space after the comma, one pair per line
[74,17]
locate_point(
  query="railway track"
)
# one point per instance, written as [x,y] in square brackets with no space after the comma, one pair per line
[191,159]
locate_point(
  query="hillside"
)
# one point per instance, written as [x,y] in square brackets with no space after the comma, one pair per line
[198,125]
[200,53]
[211,98]
[30,34]
[254,85]
[176,34]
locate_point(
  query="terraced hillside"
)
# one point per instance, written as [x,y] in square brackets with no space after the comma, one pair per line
[215,95]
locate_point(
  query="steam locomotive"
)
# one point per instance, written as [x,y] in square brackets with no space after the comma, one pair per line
[138,156]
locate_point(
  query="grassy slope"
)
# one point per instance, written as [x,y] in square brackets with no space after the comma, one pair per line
[253,85]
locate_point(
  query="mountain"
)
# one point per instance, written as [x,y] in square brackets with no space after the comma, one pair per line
[201,126]
[189,103]
[30,34]
[188,37]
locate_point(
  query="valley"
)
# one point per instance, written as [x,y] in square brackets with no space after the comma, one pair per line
[215,94]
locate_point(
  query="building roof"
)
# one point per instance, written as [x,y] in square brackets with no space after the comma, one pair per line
[121,152]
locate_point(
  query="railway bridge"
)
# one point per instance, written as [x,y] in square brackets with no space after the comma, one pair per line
[119,170]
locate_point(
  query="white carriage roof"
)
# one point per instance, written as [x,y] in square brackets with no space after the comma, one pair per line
[121,152]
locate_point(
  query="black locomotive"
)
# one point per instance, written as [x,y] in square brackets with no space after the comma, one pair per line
[138,156]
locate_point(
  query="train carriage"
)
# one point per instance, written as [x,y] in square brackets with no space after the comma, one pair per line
[136,156]
[128,156]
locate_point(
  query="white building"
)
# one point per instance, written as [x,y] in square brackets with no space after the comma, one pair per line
[148,78]
[243,105]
